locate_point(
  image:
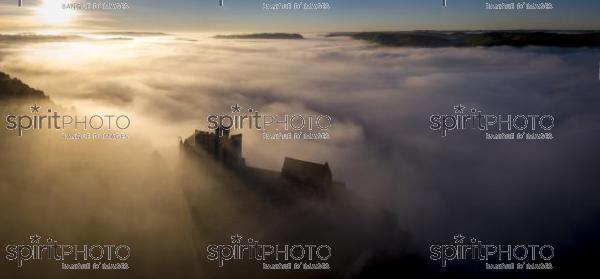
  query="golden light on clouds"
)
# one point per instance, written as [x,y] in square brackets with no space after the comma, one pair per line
[52,12]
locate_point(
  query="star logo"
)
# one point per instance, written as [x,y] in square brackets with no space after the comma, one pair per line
[459,109]
[235,108]
[35,238]
[35,108]
[459,239]
[236,239]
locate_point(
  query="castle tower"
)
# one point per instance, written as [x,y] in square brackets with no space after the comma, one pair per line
[235,149]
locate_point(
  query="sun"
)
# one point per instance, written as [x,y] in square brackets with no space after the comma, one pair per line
[52,12]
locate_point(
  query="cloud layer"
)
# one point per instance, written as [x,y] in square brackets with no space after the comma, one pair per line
[381,100]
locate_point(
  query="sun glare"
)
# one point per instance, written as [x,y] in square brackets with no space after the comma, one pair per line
[52,12]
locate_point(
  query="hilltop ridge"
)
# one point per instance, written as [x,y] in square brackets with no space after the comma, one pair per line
[517,38]
[13,88]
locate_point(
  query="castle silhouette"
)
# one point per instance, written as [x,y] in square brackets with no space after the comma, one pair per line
[227,150]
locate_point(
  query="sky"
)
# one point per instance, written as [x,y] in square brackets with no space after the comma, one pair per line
[249,15]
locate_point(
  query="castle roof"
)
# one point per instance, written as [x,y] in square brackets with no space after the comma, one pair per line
[303,169]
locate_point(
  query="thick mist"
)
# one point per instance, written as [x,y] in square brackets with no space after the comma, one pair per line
[382,147]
